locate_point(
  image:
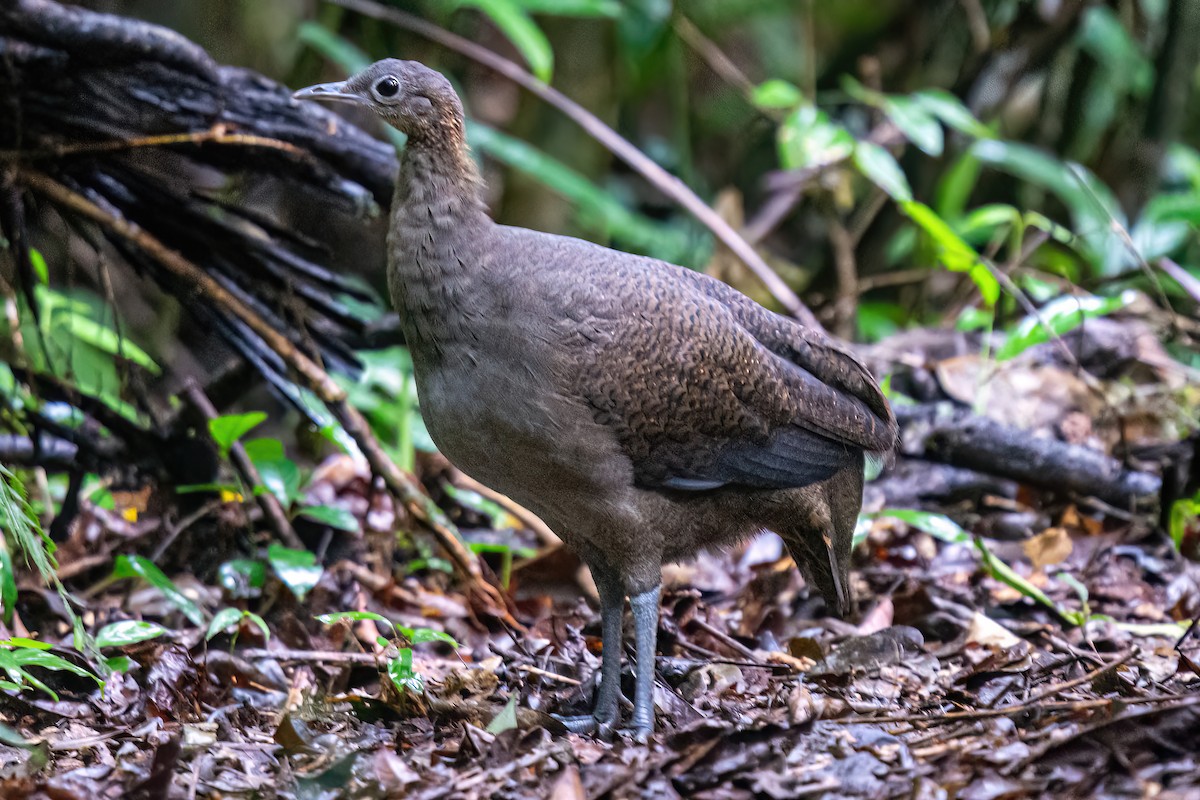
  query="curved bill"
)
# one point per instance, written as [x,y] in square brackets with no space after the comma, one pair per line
[327,91]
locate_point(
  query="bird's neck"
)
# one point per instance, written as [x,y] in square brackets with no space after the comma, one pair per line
[438,218]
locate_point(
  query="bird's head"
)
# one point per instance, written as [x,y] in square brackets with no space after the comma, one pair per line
[408,95]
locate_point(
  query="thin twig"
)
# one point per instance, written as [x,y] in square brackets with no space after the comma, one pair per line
[216,135]
[1188,282]
[272,509]
[1028,704]
[621,147]
[847,278]
[310,656]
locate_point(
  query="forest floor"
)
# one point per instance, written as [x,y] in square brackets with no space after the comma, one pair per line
[982,664]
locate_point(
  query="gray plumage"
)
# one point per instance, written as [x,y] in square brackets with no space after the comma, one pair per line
[643,410]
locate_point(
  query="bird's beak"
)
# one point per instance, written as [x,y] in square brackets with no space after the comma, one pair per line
[328,91]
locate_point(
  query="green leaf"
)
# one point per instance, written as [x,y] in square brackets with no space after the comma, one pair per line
[918,125]
[573,8]
[403,676]
[8,582]
[39,265]
[126,632]
[809,138]
[242,578]
[882,169]
[776,94]
[334,47]
[954,253]
[520,29]
[259,623]
[1093,206]
[265,449]
[939,526]
[106,340]
[280,477]
[297,569]
[599,210]
[140,567]
[352,616]
[337,518]
[1057,318]
[224,619]
[951,111]
[228,429]
[118,664]
[423,635]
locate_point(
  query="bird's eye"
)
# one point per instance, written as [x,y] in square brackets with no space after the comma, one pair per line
[387,87]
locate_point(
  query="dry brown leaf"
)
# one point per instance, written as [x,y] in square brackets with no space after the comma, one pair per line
[1051,546]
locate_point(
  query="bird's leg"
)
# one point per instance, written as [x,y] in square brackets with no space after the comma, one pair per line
[612,610]
[603,718]
[645,620]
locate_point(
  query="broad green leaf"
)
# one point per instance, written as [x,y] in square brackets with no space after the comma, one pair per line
[281,477]
[140,567]
[423,635]
[520,29]
[809,138]
[265,449]
[954,253]
[599,209]
[334,47]
[223,620]
[107,340]
[353,616]
[776,93]
[297,569]
[338,518]
[939,526]
[259,623]
[39,265]
[126,632]
[403,676]
[228,429]
[1092,205]
[882,169]
[8,582]
[918,125]
[242,578]
[118,664]
[951,111]
[1057,318]
[573,8]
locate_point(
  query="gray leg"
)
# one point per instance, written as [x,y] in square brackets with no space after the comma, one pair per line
[604,716]
[645,619]
[612,610]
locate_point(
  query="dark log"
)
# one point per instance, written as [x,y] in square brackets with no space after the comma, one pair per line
[947,434]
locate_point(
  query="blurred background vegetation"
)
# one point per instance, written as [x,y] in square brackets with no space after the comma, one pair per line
[1053,138]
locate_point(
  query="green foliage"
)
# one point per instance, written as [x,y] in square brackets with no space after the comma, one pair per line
[18,655]
[945,529]
[135,566]
[1058,318]
[1183,523]
[515,23]
[234,618]
[127,632]
[227,430]
[297,569]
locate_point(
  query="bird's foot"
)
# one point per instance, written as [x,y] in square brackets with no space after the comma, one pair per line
[604,729]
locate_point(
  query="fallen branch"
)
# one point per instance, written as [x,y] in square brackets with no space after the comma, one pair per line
[940,432]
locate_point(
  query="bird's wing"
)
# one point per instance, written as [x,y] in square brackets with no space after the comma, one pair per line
[704,388]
